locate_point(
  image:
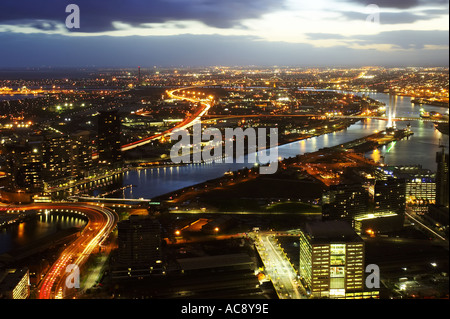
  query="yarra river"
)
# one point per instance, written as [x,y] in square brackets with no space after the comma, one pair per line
[420,148]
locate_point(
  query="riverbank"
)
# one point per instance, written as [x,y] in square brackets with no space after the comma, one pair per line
[284,140]
[272,186]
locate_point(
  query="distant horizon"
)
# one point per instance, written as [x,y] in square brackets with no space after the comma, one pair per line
[144,67]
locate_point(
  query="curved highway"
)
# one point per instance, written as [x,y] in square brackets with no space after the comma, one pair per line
[101,221]
[205,106]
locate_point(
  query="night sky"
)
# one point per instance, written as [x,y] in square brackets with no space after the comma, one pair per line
[118,33]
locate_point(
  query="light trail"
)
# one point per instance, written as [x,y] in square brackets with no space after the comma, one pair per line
[279,269]
[182,125]
[426,227]
[101,221]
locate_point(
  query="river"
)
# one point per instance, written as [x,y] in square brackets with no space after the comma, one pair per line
[418,149]
[19,235]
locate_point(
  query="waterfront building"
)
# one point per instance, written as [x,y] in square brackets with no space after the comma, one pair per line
[81,154]
[24,166]
[56,157]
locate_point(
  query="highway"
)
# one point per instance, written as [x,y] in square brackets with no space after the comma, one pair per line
[278,267]
[188,122]
[420,225]
[101,221]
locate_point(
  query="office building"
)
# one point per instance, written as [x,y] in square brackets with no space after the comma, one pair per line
[56,157]
[109,131]
[344,201]
[390,196]
[420,185]
[139,250]
[332,261]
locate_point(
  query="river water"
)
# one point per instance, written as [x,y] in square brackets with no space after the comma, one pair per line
[23,234]
[418,149]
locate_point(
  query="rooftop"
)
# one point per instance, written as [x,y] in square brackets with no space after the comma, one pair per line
[331,231]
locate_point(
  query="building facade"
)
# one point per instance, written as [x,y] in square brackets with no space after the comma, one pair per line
[332,260]
[442,181]
[344,201]
[139,250]
[15,284]
[109,131]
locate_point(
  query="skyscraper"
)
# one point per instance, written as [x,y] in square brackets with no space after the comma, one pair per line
[139,245]
[56,157]
[344,201]
[81,154]
[390,196]
[109,146]
[442,181]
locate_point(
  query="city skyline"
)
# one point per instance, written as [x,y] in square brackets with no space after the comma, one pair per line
[198,150]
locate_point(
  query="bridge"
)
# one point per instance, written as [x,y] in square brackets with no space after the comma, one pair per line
[394,119]
[206,105]
[107,199]
[359,117]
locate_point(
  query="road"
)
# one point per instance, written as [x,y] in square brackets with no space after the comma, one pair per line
[101,221]
[278,267]
[205,106]
[417,221]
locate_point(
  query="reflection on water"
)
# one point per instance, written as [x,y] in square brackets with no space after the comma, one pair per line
[418,149]
[22,234]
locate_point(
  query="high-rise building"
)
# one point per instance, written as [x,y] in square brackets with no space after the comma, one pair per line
[56,157]
[420,184]
[81,154]
[390,196]
[139,245]
[24,164]
[109,146]
[442,181]
[332,261]
[344,201]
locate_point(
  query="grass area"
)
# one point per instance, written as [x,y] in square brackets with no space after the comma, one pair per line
[253,205]
[294,207]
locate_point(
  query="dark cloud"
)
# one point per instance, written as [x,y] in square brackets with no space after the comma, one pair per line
[407,39]
[402,39]
[97,15]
